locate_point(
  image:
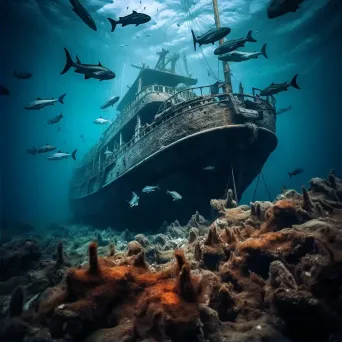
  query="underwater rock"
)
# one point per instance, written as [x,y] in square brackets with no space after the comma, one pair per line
[271,271]
[142,239]
[13,327]
[160,239]
[17,258]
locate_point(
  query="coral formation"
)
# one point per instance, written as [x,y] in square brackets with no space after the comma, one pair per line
[264,272]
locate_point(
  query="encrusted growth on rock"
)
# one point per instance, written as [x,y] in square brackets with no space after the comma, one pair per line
[268,272]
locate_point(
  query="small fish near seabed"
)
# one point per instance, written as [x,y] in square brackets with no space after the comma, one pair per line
[40,103]
[150,188]
[61,155]
[101,121]
[232,45]
[3,90]
[83,14]
[111,102]
[97,71]
[275,88]
[174,194]
[22,75]
[278,8]
[240,56]
[211,36]
[295,172]
[56,119]
[134,18]
[134,201]
[283,110]
[209,168]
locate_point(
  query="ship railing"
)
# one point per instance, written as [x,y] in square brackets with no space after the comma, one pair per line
[204,91]
[134,106]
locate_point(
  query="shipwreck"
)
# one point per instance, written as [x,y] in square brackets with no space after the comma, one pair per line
[168,132]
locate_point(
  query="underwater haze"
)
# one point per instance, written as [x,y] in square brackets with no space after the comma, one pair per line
[35,190]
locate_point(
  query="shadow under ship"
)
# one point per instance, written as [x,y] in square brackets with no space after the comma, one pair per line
[168,133]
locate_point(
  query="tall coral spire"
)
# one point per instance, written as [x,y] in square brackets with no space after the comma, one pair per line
[185,287]
[60,255]
[17,302]
[307,203]
[93,260]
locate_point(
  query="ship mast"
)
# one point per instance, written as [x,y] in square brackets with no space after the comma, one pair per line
[226,69]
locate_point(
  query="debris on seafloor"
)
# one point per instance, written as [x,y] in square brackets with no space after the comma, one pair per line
[271,271]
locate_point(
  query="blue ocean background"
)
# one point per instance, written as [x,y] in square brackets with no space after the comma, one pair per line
[34,33]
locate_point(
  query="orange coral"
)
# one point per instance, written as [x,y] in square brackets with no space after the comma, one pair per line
[283,214]
[104,293]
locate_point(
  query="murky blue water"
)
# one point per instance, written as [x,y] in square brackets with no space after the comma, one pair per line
[307,42]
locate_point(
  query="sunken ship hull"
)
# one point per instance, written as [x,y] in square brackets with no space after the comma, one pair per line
[193,129]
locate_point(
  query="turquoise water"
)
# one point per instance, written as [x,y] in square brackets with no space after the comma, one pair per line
[308,42]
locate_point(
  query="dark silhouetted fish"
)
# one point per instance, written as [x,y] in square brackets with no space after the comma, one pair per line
[280,7]
[43,149]
[211,36]
[275,88]
[83,14]
[232,45]
[295,172]
[240,56]
[111,102]
[134,18]
[97,71]
[22,75]
[56,119]
[4,91]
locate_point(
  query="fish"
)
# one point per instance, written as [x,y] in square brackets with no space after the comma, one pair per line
[97,71]
[211,36]
[232,45]
[111,102]
[283,110]
[22,75]
[150,188]
[175,195]
[134,18]
[295,172]
[134,201]
[61,155]
[83,14]
[209,168]
[101,121]
[40,103]
[44,149]
[277,8]
[275,88]
[3,90]
[240,56]
[56,119]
